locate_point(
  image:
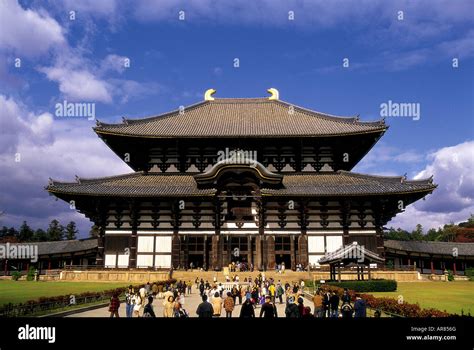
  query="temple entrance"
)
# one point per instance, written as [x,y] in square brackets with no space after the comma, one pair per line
[196,259]
[283,258]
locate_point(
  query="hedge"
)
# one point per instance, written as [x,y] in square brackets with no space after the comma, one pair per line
[43,304]
[390,305]
[367,286]
[470,273]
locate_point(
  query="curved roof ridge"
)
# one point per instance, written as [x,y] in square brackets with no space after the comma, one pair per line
[338,118]
[97,179]
[127,121]
[384,177]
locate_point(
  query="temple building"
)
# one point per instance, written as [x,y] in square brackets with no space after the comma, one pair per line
[255,180]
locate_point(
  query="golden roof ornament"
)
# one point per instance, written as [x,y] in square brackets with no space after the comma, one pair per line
[275,94]
[208,95]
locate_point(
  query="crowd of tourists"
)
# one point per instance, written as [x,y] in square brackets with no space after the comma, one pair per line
[258,297]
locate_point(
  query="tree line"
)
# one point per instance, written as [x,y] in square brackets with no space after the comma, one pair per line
[54,232]
[462,232]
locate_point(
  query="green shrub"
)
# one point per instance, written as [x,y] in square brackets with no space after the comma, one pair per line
[450,275]
[16,275]
[30,276]
[367,286]
[470,273]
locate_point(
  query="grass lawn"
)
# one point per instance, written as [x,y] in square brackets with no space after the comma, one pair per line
[21,291]
[449,296]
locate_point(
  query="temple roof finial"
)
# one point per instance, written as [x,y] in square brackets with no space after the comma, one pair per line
[208,95]
[275,94]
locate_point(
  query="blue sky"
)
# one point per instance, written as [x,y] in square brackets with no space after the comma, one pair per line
[172,63]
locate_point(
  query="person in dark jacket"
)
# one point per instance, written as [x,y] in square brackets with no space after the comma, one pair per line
[346,298]
[347,310]
[268,309]
[291,310]
[326,305]
[148,310]
[247,310]
[114,305]
[334,302]
[301,306]
[201,288]
[360,307]
[205,309]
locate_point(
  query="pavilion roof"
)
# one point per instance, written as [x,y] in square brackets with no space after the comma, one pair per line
[438,248]
[351,253]
[340,183]
[241,117]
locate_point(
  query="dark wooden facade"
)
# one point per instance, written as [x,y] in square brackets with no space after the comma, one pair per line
[209,194]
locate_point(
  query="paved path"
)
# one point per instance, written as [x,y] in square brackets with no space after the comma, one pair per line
[191,303]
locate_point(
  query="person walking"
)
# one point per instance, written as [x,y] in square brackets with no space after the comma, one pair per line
[291,309]
[346,298]
[179,311]
[318,304]
[247,310]
[360,307]
[280,291]
[205,309]
[114,306]
[217,305]
[229,304]
[346,310]
[128,301]
[168,306]
[148,310]
[268,309]
[334,302]
[137,304]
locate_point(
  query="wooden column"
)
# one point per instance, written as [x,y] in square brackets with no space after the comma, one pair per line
[292,253]
[432,265]
[258,264]
[454,267]
[270,252]
[215,252]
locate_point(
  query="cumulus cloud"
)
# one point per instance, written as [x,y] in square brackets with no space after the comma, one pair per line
[27,32]
[74,149]
[453,200]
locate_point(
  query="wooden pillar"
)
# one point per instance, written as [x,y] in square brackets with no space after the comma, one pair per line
[215,252]
[205,253]
[339,272]
[292,253]
[5,266]
[368,270]
[175,248]
[362,272]
[421,264]
[270,252]
[258,264]
[432,265]
[454,267]
[303,250]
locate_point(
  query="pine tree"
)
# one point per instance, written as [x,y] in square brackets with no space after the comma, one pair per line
[94,232]
[26,233]
[40,235]
[55,231]
[71,231]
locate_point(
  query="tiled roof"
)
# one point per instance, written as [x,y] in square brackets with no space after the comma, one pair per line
[440,248]
[60,247]
[352,251]
[246,117]
[341,183]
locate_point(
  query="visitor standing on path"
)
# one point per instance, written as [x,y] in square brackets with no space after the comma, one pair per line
[217,305]
[114,306]
[204,309]
[229,304]
[318,304]
[269,309]
[148,310]
[360,307]
[247,310]
[128,301]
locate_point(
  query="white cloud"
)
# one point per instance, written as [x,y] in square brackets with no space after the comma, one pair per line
[27,32]
[74,149]
[453,200]
[79,85]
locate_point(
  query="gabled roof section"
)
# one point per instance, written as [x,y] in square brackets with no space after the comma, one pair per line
[241,117]
[341,183]
[351,253]
[438,248]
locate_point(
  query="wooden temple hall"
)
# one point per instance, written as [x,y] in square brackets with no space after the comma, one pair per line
[255,180]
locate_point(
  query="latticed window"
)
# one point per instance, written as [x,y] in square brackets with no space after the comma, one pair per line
[282,243]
